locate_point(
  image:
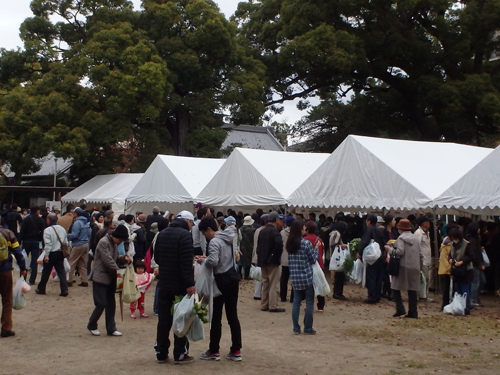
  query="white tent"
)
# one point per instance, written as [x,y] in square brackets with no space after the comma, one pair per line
[105,189]
[172,182]
[258,178]
[365,172]
[478,190]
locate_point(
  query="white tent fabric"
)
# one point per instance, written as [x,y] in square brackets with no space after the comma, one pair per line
[257,178]
[174,179]
[478,189]
[365,172]
[109,189]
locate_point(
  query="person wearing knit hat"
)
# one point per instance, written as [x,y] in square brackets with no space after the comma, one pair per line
[103,275]
[407,248]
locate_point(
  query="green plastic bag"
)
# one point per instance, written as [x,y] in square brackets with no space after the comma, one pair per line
[130,293]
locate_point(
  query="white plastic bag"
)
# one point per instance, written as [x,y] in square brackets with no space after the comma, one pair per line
[196,331]
[423,286]
[26,260]
[67,267]
[357,272]
[338,257]
[321,287]
[183,316]
[205,282]
[486,260]
[371,253]
[256,273]
[19,300]
[40,258]
[457,305]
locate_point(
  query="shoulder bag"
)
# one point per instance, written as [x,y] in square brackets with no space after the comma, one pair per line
[64,246]
[394,262]
[229,277]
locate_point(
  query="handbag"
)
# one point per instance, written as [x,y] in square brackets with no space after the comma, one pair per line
[229,277]
[457,271]
[394,263]
[64,246]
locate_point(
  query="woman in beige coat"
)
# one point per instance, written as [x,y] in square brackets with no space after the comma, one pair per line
[408,250]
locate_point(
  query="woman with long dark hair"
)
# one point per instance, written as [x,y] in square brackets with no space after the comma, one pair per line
[301,257]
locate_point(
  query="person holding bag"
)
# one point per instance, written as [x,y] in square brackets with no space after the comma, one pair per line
[53,237]
[461,258]
[338,277]
[221,259]
[407,248]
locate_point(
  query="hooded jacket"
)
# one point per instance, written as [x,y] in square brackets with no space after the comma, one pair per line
[80,233]
[220,252]
[173,252]
[407,247]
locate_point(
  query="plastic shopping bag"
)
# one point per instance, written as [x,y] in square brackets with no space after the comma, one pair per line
[457,305]
[205,282]
[321,287]
[19,300]
[183,316]
[196,331]
[337,259]
[486,260]
[130,292]
[423,286]
[357,272]
[40,258]
[26,260]
[119,280]
[67,267]
[256,273]
[371,253]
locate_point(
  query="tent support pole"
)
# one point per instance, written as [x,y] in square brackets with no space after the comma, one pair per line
[436,254]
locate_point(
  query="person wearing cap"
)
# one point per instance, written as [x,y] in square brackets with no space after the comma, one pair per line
[258,285]
[246,233]
[154,218]
[32,236]
[103,277]
[199,241]
[374,272]
[53,255]
[269,250]
[423,238]
[285,270]
[79,237]
[173,253]
[407,247]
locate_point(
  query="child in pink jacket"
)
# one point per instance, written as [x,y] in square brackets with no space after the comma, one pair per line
[144,280]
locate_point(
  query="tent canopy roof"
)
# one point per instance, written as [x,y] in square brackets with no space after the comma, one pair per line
[259,177]
[368,172]
[174,179]
[111,188]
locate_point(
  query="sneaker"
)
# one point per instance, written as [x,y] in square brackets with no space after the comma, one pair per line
[234,356]
[143,315]
[161,358]
[428,299]
[38,291]
[95,332]
[309,332]
[210,356]
[296,332]
[132,315]
[185,359]
[7,333]
[320,310]
[63,294]
[115,333]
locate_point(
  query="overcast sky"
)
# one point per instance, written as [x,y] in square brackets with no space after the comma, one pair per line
[14,12]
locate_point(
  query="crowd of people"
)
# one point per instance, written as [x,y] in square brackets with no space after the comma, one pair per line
[285,246]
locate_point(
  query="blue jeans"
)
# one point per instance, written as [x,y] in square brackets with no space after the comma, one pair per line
[461,289]
[477,284]
[298,296]
[33,248]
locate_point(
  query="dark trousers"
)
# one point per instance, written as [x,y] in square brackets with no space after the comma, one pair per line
[33,248]
[338,283]
[229,299]
[7,299]
[104,301]
[412,303]
[321,302]
[386,282]
[56,260]
[285,275]
[165,318]
[374,277]
[445,285]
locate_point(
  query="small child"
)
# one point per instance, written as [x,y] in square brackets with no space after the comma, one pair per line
[144,280]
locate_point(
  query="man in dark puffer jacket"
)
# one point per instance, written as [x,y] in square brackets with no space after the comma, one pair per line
[174,255]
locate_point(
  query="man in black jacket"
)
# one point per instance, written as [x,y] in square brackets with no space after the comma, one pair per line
[374,272]
[269,249]
[154,218]
[32,236]
[173,253]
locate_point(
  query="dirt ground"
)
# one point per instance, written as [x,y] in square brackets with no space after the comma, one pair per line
[352,338]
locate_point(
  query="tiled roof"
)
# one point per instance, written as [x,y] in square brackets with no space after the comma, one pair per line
[254,137]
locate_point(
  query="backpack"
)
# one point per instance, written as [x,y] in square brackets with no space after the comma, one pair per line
[4,249]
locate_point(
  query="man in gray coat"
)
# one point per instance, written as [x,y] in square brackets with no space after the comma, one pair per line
[103,276]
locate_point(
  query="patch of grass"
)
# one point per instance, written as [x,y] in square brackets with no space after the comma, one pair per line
[413,364]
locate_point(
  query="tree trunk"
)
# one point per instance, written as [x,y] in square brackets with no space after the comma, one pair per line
[179,135]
